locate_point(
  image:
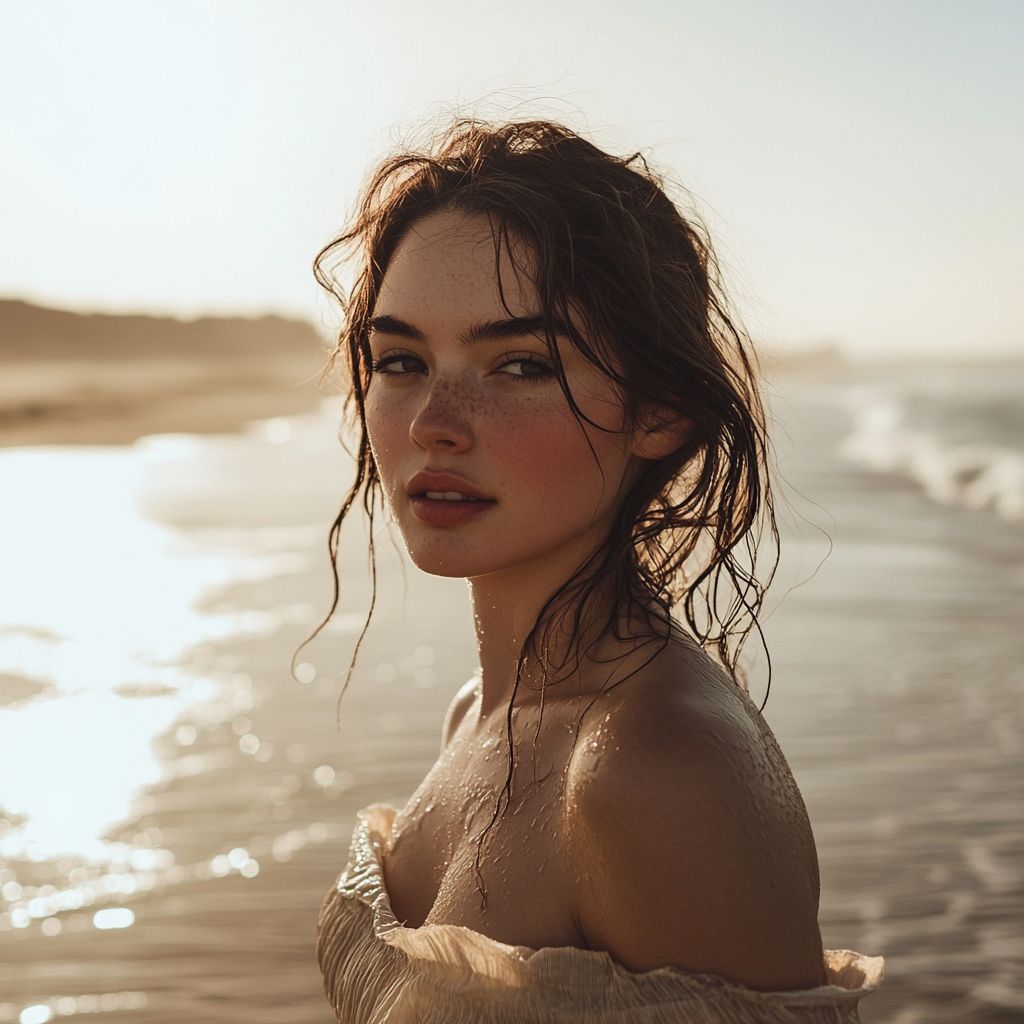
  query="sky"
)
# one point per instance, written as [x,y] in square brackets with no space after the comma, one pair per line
[860,164]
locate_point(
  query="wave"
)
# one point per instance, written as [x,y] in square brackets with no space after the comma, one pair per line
[976,475]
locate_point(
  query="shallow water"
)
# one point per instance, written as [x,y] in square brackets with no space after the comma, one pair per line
[156,755]
[900,696]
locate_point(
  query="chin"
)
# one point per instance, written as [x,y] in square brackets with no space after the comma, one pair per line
[455,552]
[442,555]
[465,554]
[454,565]
[450,568]
[459,557]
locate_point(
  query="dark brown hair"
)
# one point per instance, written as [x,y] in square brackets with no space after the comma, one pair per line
[609,248]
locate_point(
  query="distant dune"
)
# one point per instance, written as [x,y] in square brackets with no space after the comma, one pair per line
[30,332]
[67,377]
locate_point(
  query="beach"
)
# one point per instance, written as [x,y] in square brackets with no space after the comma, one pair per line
[169,749]
[71,378]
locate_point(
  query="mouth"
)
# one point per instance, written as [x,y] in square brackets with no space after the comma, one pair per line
[442,499]
[448,496]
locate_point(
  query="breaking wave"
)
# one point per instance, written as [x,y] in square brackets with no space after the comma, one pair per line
[978,475]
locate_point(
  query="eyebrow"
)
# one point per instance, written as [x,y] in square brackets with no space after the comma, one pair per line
[488,330]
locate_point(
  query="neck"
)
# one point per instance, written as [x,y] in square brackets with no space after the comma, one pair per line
[504,613]
[506,608]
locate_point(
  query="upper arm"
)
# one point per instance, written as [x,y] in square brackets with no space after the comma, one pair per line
[692,855]
[457,710]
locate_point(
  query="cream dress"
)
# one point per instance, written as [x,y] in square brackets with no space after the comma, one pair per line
[378,972]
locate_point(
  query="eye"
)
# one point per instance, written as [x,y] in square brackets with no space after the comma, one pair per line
[523,367]
[398,364]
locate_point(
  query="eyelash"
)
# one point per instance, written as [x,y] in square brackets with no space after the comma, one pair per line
[381,364]
[530,359]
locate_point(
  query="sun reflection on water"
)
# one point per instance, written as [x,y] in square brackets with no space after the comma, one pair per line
[98,608]
[104,639]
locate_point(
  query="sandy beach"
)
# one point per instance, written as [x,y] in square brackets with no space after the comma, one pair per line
[67,378]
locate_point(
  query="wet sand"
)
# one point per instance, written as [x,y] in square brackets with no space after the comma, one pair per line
[116,402]
[896,696]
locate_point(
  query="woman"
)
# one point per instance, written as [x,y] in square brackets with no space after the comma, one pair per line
[555,405]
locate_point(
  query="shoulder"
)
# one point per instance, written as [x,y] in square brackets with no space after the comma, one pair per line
[685,731]
[689,832]
[458,709]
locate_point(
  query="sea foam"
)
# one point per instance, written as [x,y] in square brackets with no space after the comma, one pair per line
[976,475]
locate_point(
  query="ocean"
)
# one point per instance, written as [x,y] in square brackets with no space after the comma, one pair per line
[177,791]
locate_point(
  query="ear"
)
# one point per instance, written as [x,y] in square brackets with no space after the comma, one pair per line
[659,432]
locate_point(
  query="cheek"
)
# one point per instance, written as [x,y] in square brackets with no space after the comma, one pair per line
[387,429]
[544,453]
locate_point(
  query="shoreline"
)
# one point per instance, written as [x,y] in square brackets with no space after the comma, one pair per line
[72,378]
[44,402]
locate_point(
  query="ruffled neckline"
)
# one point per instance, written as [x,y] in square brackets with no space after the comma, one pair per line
[851,975]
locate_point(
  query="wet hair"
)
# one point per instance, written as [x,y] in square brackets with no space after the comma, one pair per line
[634,285]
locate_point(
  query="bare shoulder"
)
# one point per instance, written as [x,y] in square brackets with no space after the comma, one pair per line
[458,709]
[689,832]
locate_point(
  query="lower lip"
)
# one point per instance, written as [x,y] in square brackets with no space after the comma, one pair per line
[447,513]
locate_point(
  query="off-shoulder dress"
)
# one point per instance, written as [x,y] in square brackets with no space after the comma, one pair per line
[378,972]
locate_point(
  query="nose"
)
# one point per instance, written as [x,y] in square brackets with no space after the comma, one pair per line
[443,421]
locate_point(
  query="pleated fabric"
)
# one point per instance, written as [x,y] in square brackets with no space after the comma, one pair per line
[377,971]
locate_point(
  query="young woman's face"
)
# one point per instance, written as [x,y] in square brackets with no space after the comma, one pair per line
[483,462]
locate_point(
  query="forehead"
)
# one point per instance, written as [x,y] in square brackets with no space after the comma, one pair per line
[452,264]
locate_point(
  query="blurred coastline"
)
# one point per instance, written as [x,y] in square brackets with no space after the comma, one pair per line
[157,755]
[71,378]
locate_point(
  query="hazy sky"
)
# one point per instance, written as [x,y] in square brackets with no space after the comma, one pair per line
[861,163]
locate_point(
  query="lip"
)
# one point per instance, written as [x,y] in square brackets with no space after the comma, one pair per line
[425,480]
[435,512]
